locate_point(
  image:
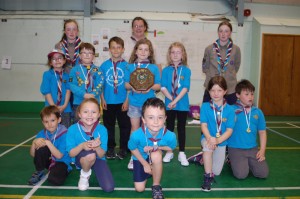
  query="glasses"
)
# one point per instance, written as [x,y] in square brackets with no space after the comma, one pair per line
[139,26]
[57,59]
[176,53]
[86,53]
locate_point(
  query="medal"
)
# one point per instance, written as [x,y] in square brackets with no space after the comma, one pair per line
[218,135]
[116,81]
[86,81]
[247,119]
[248,130]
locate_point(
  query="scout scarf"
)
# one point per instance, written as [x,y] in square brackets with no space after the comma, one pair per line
[222,65]
[76,52]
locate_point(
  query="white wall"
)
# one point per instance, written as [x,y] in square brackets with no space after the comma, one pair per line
[29,38]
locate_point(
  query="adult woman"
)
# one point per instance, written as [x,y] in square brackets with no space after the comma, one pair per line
[222,58]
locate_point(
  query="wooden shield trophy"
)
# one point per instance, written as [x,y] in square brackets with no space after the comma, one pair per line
[141,79]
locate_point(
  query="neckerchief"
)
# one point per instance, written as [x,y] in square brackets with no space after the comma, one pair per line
[76,51]
[115,74]
[58,133]
[175,81]
[90,133]
[152,139]
[222,65]
[59,85]
[240,107]
[138,64]
[218,117]
[247,116]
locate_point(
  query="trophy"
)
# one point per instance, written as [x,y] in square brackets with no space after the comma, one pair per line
[141,79]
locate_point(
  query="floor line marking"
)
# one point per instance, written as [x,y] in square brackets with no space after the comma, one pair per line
[36,187]
[7,151]
[293,125]
[283,135]
[148,189]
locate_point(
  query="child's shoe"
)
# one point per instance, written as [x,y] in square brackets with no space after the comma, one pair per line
[157,192]
[130,164]
[207,182]
[168,157]
[83,183]
[197,158]
[36,177]
[110,154]
[182,159]
[122,154]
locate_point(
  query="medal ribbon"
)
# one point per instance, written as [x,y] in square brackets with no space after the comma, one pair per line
[247,116]
[88,78]
[76,52]
[222,65]
[59,85]
[115,74]
[218,116]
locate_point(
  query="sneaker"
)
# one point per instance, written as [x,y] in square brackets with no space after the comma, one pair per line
[110,154]
[36,177]
[168,157]
[197,158]
[83,183]
[122,154]
[207,182]
[157,192]
[182,159]
[130,164]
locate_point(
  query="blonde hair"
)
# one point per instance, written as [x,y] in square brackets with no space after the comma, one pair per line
[184,54]
[91,100]
[134,57]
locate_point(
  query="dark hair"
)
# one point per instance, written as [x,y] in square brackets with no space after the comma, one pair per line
[244,85]
[217,80]
[48,110]
[227,23]
[65,24]
[140,19]
[92,100]
[153,102]
[133,56]
[118,40]
[87,46]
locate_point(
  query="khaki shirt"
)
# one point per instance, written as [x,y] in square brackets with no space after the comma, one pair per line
[210,65]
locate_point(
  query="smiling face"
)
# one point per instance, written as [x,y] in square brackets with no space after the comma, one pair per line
[154,119]
[143,52]
[57,61]
[89,113]
[51,122]
[116,51]
[246,97]
[86,56]
[138,29]
[176,55]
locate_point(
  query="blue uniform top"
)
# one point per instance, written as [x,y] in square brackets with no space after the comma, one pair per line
[58,139]
[207,116]
[110,86]
[140,138]
[49,85]
[138,99]
[76,135]
[184,76]
[242,139]
[79,85]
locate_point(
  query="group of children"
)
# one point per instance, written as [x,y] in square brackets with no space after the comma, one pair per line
[73,133]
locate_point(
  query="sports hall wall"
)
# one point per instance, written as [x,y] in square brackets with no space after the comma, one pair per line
[28,37]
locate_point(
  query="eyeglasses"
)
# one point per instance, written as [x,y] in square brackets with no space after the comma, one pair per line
[57,59]
[176,53]
[139,26]
[86,53]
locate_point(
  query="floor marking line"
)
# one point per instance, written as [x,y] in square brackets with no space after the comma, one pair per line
[36,187]
[5,152]
[148,189]
[284,135]
[293,125]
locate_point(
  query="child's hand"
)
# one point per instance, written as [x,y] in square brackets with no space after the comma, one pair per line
[61,108]
[171,105]
[147,168]
[94,143]
[148,149]
[144,92]
[260,156]
[86,146]
[212,143]
[39,142]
